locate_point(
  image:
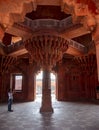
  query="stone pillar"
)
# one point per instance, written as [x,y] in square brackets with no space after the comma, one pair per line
[95,36]
[30,83]
[46,92]
[97,57]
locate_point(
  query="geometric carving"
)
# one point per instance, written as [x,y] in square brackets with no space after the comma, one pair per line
[46,50]
[5,63]
[87,63]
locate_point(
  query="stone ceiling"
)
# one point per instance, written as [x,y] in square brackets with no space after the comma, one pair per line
[69,19]
[47,12]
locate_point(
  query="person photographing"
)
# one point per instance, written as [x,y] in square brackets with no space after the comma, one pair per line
[10,100]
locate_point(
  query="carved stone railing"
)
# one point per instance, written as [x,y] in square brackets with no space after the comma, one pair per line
[74,44]
[59,25]
[16,46]
[77,46]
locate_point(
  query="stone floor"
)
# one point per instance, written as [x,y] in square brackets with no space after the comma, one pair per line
[66,116]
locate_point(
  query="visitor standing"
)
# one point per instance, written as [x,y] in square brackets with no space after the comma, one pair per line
[10,100]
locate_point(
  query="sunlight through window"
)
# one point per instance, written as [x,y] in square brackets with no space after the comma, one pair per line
[18,83]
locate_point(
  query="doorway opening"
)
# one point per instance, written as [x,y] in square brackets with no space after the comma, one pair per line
[39,78]
[53,85]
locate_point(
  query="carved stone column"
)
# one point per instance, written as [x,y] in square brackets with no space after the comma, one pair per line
[46,50]
[30,83]
[97,56]
[46,92]
[95,36]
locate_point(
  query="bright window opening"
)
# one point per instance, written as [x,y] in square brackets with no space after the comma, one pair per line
[18,83]
[39,84]
[53,83]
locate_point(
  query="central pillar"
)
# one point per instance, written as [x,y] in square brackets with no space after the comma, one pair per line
[46,93]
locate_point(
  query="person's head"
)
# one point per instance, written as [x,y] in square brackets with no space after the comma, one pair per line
[10,90]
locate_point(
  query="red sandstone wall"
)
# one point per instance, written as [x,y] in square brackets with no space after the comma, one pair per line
[27,93]
[4,84]
[74,85]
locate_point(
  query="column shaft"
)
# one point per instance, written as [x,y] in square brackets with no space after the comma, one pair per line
[97,56]
[46,93]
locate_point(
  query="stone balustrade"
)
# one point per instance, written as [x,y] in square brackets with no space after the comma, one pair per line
[71,43]
[60,25]
[15,46]
[77,45]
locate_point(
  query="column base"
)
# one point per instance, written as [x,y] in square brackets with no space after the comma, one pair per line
[43,109]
